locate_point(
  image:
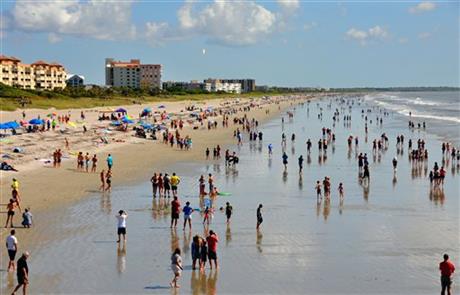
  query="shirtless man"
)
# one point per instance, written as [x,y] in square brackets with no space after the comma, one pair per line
[102,176]
[10,212]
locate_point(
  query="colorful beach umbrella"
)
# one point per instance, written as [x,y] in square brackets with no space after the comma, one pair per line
[36,121]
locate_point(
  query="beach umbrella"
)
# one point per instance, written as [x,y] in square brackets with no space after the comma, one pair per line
[161,106]
[147,110]
[121,110]
[13,124]
[127,117]
[36,121]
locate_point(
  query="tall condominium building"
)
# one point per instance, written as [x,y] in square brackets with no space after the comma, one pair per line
[215,85]
[38,75]
[132,74]
[247,85]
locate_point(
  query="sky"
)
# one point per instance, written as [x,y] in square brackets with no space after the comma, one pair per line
[283,43]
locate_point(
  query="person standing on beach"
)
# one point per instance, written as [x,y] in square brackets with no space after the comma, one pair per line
[210,182]
[15,184]
[285,160]
[121,218]
[109,161]
[175,180]
[167,185]
[395,163]
[11,206]
[300,164]
[102,177]
[447,268]
[187,215]
[108,180]
[94,166]
[340,191]
[228,211]
[212,241]
[259,216]
[22,274]
[176,267]
[154,181]
[175,210]
[196,250]
[12,248]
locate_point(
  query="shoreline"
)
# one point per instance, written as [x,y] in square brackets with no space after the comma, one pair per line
[46,188]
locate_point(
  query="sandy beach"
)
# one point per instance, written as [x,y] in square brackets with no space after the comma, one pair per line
[397,221]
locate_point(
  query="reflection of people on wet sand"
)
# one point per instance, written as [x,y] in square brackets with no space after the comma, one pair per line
[121,258]
[259,240]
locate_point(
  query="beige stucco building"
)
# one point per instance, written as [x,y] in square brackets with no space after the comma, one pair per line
[132,74]
[38,75]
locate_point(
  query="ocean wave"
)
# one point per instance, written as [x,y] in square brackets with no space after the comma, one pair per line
[404,109]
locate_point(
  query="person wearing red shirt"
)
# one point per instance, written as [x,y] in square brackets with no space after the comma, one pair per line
[447,268]
[212,241]
[175,211]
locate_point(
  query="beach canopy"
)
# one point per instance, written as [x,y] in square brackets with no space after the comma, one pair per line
[9,125]
[36,121]
[121,110]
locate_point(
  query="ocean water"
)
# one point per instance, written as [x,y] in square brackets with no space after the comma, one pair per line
[385,239]
[439,109]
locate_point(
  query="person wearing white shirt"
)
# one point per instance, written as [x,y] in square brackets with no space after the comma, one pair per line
[12,247]
[121,225]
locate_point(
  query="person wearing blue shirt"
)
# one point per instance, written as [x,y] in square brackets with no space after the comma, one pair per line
[109,161]
[187,215]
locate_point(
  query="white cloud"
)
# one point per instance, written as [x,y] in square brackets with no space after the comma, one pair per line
[53,38]
[364,36]
[229,23]
[403,40]
[289,5]
[425,35]
[99,19]
[422,7]
[309,26]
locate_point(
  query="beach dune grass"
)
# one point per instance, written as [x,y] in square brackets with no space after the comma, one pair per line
[13,98]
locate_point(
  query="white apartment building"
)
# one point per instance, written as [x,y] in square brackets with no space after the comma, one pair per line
[38,75]
[215,85]
[132,74]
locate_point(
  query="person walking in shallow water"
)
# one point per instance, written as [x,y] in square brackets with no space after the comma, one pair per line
[176,267]
[447,269]
[259,216]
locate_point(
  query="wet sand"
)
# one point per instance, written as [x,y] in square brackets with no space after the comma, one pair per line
[388,240]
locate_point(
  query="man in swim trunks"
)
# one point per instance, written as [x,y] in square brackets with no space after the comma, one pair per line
[187,215]
[10,212]
[175,210]
[12,248]
[22,274]
[175,180]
